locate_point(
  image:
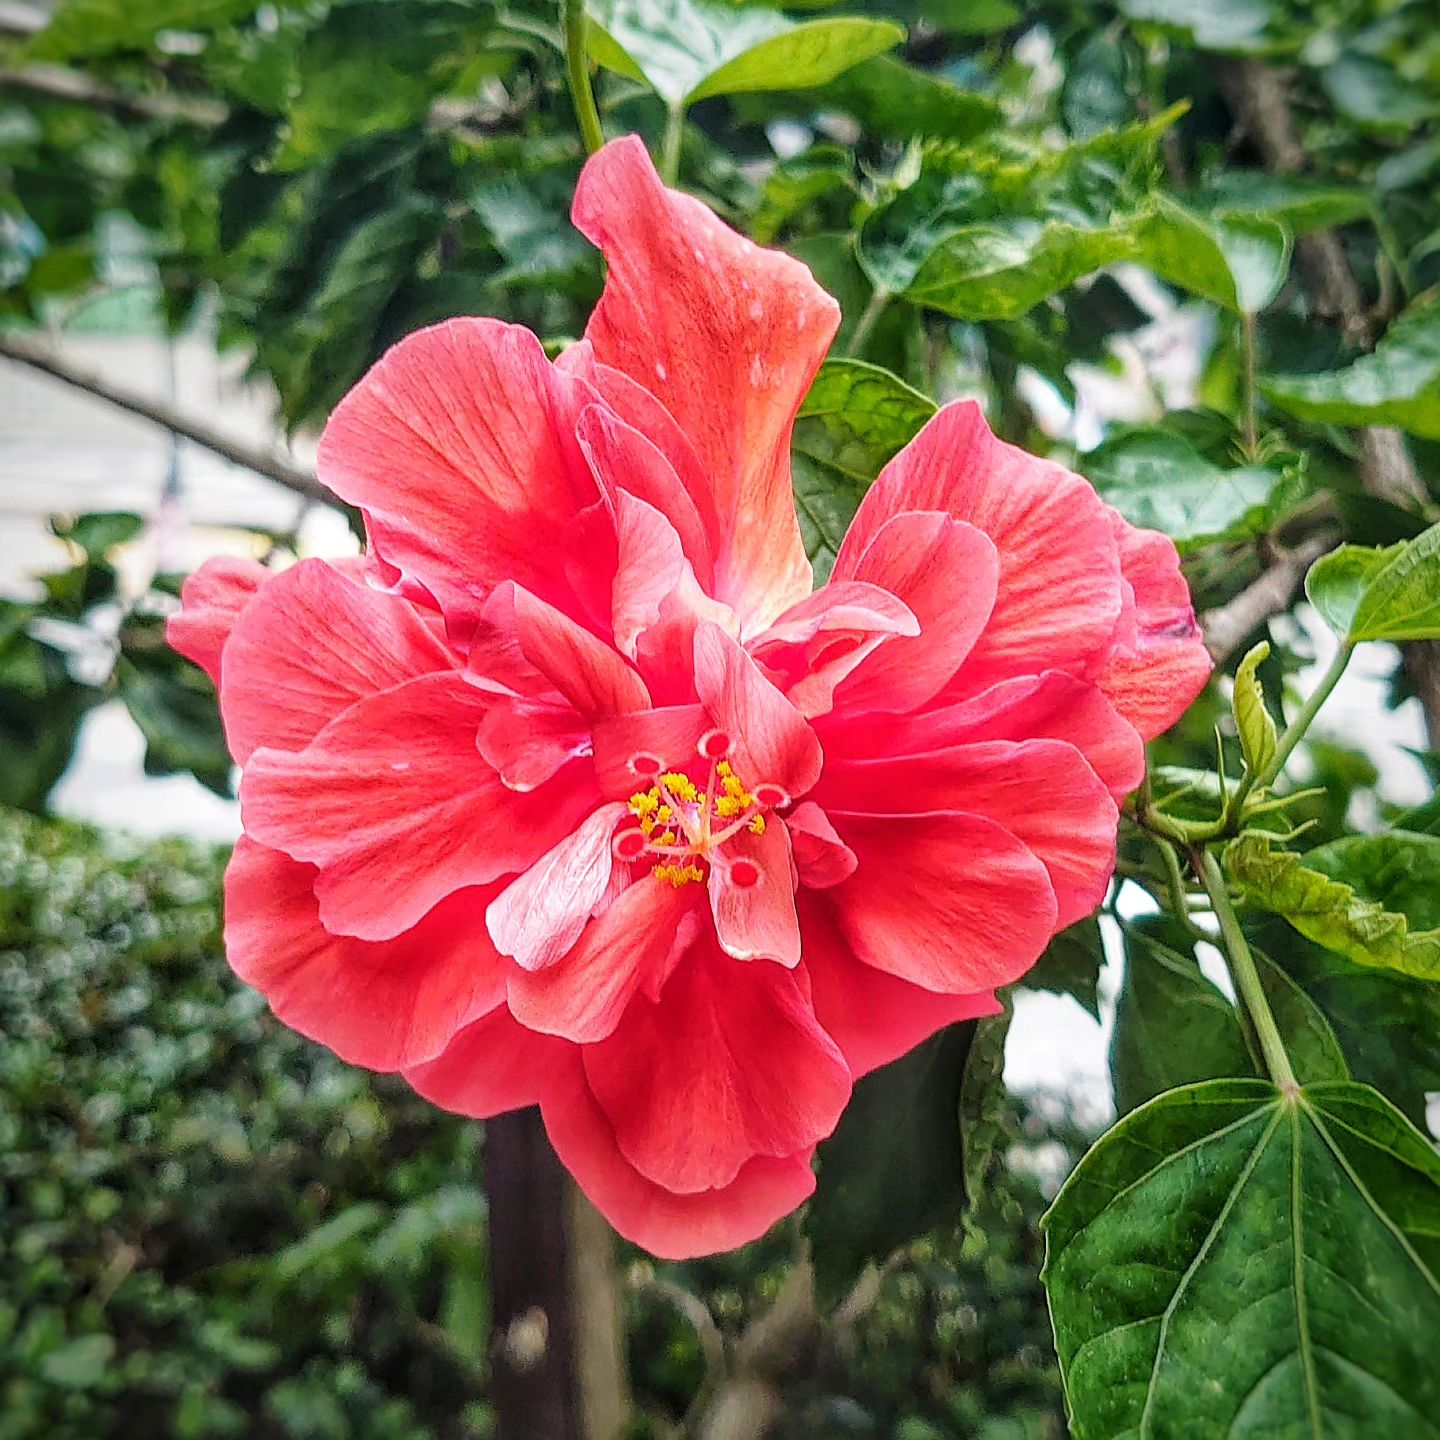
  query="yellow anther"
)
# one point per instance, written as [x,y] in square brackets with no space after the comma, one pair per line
[644,802]
[682,787]
[732,786]
[757,825]
[664,815]
[665,837]
[727,807]
[678,875]
[724,770]
[647,825]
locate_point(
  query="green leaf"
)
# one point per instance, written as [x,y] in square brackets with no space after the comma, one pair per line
[1240,262]
[688,50]
[1233,1261]
[1398,383]
[1309,1038]
[1236,26]
[1374,95]
[1158,480]
[854,419]
[1300,205]
[97,27]
[893,100]
[1335,914]
[1071,965]
[79,1364]
[902,1120]
[1172,1026]
[1258,737]
[329,1238]
[174,705]
[983,1101]
[99,531]
[1336,583]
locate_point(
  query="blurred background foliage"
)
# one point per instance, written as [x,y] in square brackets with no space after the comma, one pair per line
[208,1223]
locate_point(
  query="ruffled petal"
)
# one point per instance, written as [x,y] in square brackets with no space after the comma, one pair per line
[752,897]
[952,903]
[540,915]
[495,1065]
[728,337]
[822,858]
[873,1017]
[947,573]
[650,567]
[1058,597]
[530,741]
[1159,663]
[1042,792]
[631,944]
[668,734]
[382,1005]
[312,644]
[814,645]
[459,445]
[728,1064]
[211,601]
[395,804]
[669,1225]
[773,742]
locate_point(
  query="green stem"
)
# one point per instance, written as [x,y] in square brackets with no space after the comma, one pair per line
[1248,430]
[577,69]
[670,150]
[869,317]
[1244,973]
[1175,883]
[1294,733]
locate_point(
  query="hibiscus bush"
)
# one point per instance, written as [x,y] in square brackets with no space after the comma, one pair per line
[844,501]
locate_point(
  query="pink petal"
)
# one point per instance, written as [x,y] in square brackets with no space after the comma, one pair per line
[459,446]
[773,742]
[728,337]
[310,646]
[651,567]
[947,573]
[590,675]
[529,741]
[1042,792]
[382,1005]
[873,1017]
[633,943]
[1160,663]
[728,1064]
[814,645]
[211,601]
[540,915]
[395,804]
[668,1225]
[670,733]
[756,920]
[1059,591]
[952,903]
[822,858]
[495,1065]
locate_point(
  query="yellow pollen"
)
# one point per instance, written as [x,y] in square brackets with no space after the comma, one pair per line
[664,815]
[757,825]
[678,875]
[682,787]
[724,770]
[647,825]
[666,837]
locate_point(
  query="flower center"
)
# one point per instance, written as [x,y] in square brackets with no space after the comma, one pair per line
[680,827]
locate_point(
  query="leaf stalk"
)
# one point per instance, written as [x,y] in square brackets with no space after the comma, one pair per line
[577,71]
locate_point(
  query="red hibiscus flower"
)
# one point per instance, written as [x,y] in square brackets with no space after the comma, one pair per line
[575,795]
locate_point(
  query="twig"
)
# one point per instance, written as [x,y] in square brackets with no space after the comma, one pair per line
[55,82]
[693,1310]
[262,462]
[1226,626]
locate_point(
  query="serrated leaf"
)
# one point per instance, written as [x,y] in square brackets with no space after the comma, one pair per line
[983,1101]
[688,50]
[1158,480]
[897,101]
[1172,1026]
[1233,1261]
[1337,582]
[1256,726]
[1398,383]
[1331,912]
[1381,594]
[853,420]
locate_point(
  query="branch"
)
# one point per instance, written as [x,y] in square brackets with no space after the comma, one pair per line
[1227,625]
[262,462]
[55,82]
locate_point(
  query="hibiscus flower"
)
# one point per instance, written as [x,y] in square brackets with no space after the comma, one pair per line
[574,794]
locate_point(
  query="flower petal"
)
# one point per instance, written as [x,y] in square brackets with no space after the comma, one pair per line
[540,915]
[669,733]
[952,903]
[651,565]
[947,573]
[822,858]
[668,1225]
[1059,590]
[728,1064]
[1160,663]
[395,804]
[311,645]
[631,944]
[529,741]
[773,742]
[728,337]
[382,1005]
[1042,792]
[211,601]
[459,445]
[756,920]
[873,1017]
[494,1065]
